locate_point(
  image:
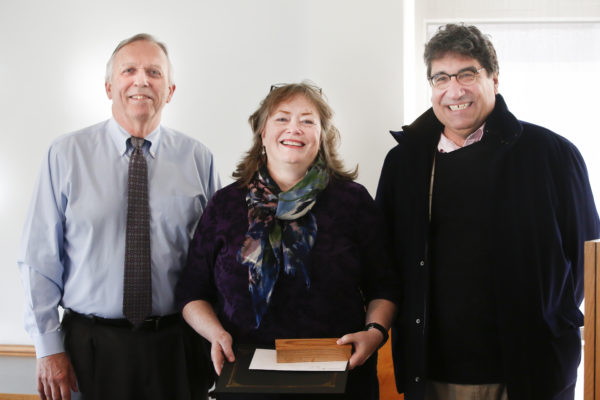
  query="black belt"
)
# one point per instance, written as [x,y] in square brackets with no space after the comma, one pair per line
[149,324]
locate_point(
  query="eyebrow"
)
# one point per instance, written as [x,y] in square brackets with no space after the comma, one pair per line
[471,68]
[131,64]
[289,112]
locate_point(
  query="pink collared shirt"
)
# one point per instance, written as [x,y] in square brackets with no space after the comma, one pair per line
[446,145]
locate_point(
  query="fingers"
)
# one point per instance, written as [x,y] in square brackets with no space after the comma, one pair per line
[69,384]
[50,390]
[73,380]
[221,350]
[216,355]
[55,377]
[56,392]
[40,389]
[346,339]
[365,343]
[357,359]
[228,351]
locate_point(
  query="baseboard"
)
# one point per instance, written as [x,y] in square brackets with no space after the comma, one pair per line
[7,396]
[16,350]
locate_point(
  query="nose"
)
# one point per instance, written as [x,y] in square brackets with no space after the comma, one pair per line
[455,89]
[140,78]
[294,125]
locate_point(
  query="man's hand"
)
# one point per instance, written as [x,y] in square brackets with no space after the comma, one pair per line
[55,377]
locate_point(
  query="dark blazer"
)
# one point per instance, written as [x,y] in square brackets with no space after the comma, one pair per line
[540,210]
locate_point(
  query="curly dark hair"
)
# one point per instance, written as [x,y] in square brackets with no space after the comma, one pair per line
[466,40]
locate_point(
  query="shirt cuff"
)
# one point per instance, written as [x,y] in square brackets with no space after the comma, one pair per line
[48,344]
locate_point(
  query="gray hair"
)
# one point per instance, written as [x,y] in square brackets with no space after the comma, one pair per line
[135,38]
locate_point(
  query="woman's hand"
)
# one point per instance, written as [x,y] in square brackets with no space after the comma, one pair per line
[365,344]
[201,316]
[221,350]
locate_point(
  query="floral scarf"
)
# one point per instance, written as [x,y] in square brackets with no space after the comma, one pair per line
[281,231]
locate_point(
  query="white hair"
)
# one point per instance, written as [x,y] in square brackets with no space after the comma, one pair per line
[135,38]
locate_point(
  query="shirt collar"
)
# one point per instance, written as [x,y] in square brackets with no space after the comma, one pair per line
[120,136]
[446,145]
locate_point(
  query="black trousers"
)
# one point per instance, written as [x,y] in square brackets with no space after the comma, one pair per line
[153,362]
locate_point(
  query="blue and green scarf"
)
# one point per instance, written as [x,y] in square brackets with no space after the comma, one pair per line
[281,231]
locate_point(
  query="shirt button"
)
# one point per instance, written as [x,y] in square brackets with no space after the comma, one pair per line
[417,379]
[418,321]
[422,263]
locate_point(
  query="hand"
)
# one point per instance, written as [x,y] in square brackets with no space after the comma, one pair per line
[55,377]
[220,350]
[365,343]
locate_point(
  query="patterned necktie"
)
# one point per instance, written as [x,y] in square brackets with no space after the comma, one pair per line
[137,286]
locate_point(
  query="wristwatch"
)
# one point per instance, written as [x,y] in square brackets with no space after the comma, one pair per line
[381,329]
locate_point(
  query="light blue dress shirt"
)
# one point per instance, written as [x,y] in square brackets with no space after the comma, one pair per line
[73,246]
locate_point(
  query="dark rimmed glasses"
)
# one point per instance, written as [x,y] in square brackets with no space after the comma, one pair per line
[466,77]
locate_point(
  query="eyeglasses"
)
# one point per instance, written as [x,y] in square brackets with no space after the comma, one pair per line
[312,87]
[465,77]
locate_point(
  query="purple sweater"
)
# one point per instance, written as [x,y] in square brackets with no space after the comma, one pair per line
[348,268]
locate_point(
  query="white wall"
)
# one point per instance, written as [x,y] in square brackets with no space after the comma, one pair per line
[17,375]
[226,55]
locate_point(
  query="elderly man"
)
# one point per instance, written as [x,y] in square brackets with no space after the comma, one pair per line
[486,219]
[106,238]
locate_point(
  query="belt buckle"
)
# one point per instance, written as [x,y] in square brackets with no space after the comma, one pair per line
[152,322]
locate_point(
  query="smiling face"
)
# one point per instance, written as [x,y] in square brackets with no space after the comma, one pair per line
[462,109]
[139,87]
[292,135]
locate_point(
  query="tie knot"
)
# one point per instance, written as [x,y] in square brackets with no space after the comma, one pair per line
[137,142]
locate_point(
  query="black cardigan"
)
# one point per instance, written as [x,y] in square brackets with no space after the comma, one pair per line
[540,211]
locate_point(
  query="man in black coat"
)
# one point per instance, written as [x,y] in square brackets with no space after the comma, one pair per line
[486,217]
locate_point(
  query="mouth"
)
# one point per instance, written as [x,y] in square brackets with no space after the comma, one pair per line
[140,97]
[293,143]
[458,107]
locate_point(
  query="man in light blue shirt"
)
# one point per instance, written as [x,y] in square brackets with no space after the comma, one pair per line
[73,248]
